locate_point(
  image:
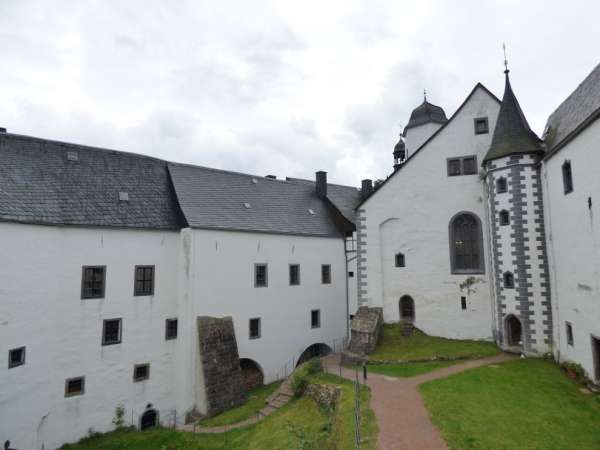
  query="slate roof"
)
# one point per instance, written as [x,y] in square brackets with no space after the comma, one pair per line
[222,200]
[426,113]
[345,198]
[39,184]
[512,134]
[575,112]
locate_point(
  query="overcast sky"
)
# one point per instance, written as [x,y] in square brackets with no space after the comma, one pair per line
[284,88]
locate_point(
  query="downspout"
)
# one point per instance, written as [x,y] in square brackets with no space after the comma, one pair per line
[347,290]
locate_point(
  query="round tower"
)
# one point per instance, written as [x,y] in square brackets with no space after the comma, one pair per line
[523,320]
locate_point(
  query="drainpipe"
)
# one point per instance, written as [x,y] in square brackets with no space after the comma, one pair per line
[347,290]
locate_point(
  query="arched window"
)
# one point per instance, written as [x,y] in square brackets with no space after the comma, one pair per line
[504,217]
[466,244]
[501,185]
[509,280]
[400,260]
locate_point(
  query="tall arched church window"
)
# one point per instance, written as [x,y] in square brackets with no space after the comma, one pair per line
[466,244]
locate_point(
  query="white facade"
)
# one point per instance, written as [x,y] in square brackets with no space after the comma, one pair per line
[573,236]
[410,214]
[414,137]
[197,273]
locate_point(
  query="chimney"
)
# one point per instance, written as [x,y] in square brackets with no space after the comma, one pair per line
[321,185]
[272,177]
[366,188]
[2,130]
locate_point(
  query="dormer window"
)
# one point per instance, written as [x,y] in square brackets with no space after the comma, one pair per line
[481,125]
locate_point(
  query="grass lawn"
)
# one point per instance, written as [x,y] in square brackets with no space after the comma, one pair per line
[393,346]
[527,404]
[256,401]
[408,369]
[301,424]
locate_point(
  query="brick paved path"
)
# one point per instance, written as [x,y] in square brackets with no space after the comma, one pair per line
[404,423]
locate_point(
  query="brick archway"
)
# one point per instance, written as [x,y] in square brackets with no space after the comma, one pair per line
[252,373]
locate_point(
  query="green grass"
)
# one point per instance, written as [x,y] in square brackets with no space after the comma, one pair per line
[301,424]
[407,370]
[393,346]
[524,404]
[256,401]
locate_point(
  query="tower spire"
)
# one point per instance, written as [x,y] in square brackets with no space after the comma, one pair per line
[424,95]
[505,60]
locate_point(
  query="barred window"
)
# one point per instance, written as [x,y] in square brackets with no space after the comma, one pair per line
[260,275]
[315,318]
[141,372]
[111,332]
[74,386]
[171,329]
[144,280]
[326,274]
[255,328]
[93,281]
[294,274]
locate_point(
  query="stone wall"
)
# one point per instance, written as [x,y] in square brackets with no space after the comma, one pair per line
[220,364]
[365,330]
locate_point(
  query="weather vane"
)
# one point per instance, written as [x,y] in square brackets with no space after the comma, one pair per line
[505,61]
[425,94]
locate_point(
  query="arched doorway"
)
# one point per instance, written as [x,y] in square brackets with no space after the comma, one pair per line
[252,374]
[407,308]
[314,351]
[514,332]
[149,419]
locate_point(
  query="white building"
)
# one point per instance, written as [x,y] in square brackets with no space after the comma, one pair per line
[109,259]
[486,231]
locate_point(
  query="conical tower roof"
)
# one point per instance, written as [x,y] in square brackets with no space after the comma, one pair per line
[512,134]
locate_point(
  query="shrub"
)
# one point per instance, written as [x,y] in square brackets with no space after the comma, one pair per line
[314,366]
[575,371]
[299,384]
[119,419]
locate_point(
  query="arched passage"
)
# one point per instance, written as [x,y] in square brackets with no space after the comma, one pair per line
[149,419]
[314,351]
[514,331]
[407,308]
[252,374]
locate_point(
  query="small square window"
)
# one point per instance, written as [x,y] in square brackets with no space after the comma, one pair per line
[350,274]
[260,275]
[74,386]
[504,217]
[16,357]
[453,167]
[255,328]
[111,332]
[463,303]
[93,281]
[294,274]
[170,329]
[481,125]
[400,262]
[569,333]
[315,318]
[144,280]
[501,185]
[469,165]
[141,372]
[326,274]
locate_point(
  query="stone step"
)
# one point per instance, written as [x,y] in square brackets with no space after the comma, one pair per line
[266,411]
[278,402]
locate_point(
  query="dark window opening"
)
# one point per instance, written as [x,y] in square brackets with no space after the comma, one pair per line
[453,167]
[144,280]
[255,328]
[567,177]
[149,419]
[93,282]
[407,308]
[294,274]
[469,166]
[466,165]
[400,262]
[463,303]
[260,275]
[569,333]
[509,280]
[326,274]
[466,244]
[141,372]
[111,332]
[74,386]
[16,357]
[501,185]
[596,357]
[504,217]
[171,329]
[513,331]
[481,125]
[315,318]
[350,274]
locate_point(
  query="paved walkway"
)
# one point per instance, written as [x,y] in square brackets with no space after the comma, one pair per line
[404,423]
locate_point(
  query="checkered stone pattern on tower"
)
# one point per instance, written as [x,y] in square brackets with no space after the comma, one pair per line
[519,247]
[361,266]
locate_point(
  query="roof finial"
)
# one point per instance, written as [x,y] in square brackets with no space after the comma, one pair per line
[425,95]
[505,61]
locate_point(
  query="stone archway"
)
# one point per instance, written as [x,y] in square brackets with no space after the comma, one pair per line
[407,308]
[252,373]
[514,331]
[314,351]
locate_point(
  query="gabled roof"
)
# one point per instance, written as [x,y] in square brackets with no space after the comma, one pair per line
[344,198]
[431,138]
[573,115]
[512,134]
[222,200]
[41,183]
[426,113]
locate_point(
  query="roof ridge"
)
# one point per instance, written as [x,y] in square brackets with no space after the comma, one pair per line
[589,75]
[306,180]
[227,172]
